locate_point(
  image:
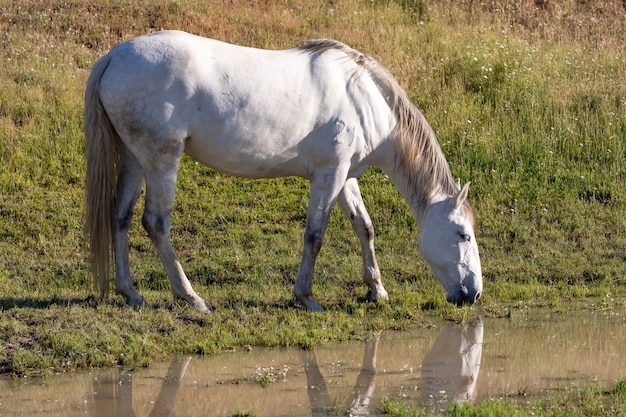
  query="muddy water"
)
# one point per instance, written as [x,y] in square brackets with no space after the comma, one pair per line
[488,359]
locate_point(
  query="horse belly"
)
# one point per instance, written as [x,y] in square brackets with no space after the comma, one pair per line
[243,158]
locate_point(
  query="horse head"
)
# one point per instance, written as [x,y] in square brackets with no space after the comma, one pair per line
[448,245]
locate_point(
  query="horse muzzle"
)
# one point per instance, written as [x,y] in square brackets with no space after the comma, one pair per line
[464,296]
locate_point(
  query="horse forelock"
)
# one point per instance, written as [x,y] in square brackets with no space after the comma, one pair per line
[418,156]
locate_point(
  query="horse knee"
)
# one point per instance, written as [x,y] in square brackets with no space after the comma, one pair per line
[124,218]
[368,231]
[155,225]
[313,240]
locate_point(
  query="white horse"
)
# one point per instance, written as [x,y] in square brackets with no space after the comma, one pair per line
[322,111]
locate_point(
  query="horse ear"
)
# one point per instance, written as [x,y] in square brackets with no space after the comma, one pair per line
[460,198]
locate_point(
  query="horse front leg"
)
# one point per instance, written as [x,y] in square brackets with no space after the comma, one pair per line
[325,187]
[351,203]
[160,190]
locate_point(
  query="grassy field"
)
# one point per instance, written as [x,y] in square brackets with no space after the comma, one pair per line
[528,99]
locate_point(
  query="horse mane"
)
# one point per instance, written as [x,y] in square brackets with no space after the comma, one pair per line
[418,156]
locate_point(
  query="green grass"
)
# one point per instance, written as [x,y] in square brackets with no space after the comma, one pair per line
[532,112]
[588,402]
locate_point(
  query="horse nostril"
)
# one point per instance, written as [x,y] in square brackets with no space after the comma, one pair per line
[478,295]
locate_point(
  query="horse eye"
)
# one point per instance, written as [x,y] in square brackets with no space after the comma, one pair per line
[465,237]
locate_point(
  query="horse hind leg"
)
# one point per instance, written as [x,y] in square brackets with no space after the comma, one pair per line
[130,184]
[351,203]
[160,190]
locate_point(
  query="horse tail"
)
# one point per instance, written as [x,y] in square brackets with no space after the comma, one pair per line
[100,188]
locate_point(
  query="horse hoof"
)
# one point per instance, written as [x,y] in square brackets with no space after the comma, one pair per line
[201,306]
[136,302]
[310,304]
[204,307]
[376,296]
[314,308]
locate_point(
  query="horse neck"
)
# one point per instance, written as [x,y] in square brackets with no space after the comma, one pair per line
[413,197]
[422,178]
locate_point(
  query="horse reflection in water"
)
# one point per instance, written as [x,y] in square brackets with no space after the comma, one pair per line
[449,372]
[450,369]
[113,396]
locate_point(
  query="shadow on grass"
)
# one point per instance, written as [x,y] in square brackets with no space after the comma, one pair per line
[7,303]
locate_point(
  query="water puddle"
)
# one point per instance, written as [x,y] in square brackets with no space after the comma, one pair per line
[488,359]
